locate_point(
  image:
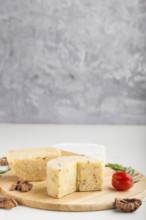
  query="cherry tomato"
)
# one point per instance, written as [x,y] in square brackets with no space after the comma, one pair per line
[122,181]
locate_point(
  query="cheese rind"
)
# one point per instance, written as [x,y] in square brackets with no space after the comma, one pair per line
[31,164]
[66,175]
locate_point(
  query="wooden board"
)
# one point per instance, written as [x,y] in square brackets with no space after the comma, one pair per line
[78,201]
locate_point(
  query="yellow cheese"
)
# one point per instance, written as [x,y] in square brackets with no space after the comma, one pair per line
[61,176]
[31,164]
[66,175]
[90,175]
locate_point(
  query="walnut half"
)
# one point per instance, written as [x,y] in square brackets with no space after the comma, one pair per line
[127,205]
[3,161]
[21,185]
[7,203]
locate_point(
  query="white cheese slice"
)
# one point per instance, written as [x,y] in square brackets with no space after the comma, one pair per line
[92,150]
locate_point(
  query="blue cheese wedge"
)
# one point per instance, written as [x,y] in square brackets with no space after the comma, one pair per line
[67,174]
[31,164]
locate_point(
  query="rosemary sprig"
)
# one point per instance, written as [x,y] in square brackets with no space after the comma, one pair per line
[4,171]
[119,167]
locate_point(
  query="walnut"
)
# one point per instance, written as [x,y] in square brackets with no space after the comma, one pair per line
[13,186]
[3,161]
[21,185]
[7,203]
[127,205]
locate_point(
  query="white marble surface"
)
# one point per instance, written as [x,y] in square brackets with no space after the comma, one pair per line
[124,144]
[73,61]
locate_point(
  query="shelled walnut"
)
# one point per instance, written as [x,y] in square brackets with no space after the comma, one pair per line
[7,203]
[21,185]
[127,205]
[3,161]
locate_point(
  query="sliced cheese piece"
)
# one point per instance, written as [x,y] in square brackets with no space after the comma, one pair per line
[31,164]
[61,181]
[90,175]
[65,175]
[62,176]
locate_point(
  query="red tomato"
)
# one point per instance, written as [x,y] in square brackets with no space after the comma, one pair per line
[122,181]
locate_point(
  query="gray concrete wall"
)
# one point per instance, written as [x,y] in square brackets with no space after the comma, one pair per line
[73,61]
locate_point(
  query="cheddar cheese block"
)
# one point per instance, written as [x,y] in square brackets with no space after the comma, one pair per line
[31,164]
[66,175]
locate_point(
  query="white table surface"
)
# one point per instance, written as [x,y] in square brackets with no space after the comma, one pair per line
[124,144]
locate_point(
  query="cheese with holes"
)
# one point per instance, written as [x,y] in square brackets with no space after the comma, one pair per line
[31,164]
[66,175]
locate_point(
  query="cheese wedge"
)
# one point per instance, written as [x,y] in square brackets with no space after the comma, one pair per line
[90,175]
[66,175]
[61,177]
[31,164]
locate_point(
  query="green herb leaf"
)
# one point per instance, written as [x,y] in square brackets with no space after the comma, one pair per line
[118,168]
[136,180]
[4,171]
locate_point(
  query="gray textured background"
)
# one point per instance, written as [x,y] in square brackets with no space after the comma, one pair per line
[73,61]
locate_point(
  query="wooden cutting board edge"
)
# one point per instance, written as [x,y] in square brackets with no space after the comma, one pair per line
[58,207]
[72,208]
